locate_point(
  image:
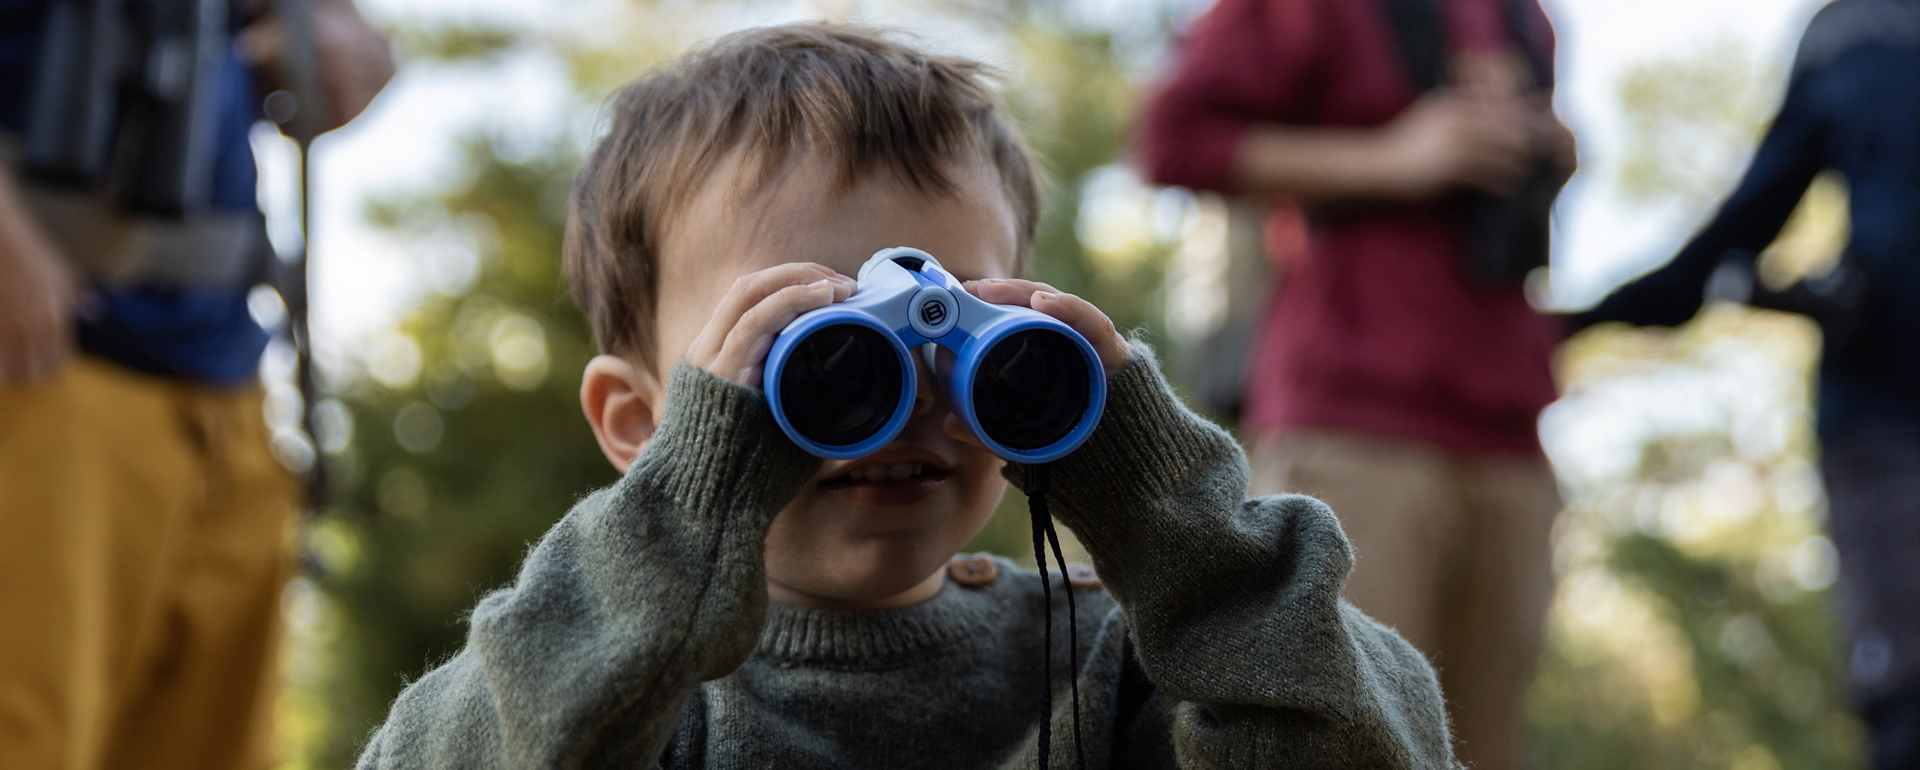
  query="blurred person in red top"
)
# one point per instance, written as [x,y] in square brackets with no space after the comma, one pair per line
[1399,368]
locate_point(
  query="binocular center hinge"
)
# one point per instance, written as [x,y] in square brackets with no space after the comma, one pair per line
[933,312]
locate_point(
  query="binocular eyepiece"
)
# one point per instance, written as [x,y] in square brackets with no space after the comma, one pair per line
[841,379]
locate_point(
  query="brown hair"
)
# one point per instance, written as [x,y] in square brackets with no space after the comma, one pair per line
[866,103]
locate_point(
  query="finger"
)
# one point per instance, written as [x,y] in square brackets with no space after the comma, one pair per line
[753,288]
[750,290]
[1494,127]
[754,352]
[746,345]
[1006,291]
[1490,183]
[1095,326]
[1494,161]
[1082,316]
[957,429]
[1503,148]
[1494,175]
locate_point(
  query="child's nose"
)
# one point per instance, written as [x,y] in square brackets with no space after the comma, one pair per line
[926,387]
[923,397]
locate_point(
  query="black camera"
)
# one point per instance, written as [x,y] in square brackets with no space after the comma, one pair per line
[126,98]
[1507,236]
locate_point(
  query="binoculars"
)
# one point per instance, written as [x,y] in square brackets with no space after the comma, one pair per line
[841,379]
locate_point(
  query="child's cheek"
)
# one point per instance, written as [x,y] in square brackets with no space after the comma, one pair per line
[982,488]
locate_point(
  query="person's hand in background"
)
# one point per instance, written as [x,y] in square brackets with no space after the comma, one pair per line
[39,295]
[1450,140]
[355,60]
[1505,79]
[1553,141]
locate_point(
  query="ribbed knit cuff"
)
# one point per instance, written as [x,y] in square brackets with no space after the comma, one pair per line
[718,448]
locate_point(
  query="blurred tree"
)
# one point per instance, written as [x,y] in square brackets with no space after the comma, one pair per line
[466,445]
[1692,626]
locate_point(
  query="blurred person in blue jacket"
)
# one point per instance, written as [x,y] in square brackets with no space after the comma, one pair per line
[143,519]
[1852,106]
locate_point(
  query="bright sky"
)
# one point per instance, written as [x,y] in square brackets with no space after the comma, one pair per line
[1601,240]
[364,279]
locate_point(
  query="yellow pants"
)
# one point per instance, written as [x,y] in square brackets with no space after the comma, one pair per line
[143,528]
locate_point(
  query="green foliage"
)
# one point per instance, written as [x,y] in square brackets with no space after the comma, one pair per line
[426,519]
[1763,665]
[1691,119]
[1692,626]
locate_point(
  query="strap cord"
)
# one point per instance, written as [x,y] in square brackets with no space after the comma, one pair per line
[1045,535]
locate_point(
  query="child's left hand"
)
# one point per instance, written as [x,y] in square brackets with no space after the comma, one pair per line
[1081,315]
[1073,311]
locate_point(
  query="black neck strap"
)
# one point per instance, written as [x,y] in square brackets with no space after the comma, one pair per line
[1044,536]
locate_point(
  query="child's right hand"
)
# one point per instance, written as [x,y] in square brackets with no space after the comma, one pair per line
[734,344]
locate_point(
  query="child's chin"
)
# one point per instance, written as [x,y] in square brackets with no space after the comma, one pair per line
[865,578]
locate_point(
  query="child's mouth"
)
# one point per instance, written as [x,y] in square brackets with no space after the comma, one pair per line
[879,484]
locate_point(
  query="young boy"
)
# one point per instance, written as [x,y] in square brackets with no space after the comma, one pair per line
[736,189]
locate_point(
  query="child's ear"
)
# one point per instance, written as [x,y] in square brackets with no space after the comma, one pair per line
[623,403]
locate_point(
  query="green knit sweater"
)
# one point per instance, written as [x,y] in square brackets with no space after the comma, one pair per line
[639,631]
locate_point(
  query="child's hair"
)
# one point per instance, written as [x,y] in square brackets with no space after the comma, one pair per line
[867,104]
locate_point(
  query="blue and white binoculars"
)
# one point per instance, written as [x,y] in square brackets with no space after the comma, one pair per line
[841,378]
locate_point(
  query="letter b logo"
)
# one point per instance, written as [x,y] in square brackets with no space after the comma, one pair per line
[933,312]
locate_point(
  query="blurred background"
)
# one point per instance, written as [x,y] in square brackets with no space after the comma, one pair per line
[1691,625]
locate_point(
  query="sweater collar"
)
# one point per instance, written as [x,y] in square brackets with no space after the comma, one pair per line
[880,639]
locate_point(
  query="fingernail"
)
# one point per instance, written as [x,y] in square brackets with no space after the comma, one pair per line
[1046,295]
[817,284]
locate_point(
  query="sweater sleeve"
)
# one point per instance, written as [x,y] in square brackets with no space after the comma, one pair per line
[641,592]
[1234,604]
[1246,61]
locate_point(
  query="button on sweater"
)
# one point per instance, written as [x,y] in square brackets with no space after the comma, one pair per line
[639,632]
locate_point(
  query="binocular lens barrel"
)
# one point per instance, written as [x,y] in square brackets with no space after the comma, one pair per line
[841,379]
[841,384]
[1031,389]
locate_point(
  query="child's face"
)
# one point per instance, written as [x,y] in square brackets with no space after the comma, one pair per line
[843,542]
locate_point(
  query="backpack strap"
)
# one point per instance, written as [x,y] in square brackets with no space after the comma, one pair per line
[1419,33]
[1420,36]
